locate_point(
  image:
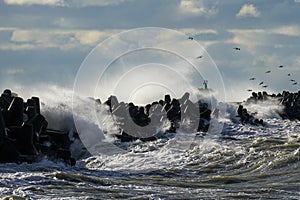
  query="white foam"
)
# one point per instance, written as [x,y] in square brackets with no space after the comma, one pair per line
[266,109]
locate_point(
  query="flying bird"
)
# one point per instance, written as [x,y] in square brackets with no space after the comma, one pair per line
[237,48]
[269,71]
[280,66]
[249,90]
[200,56]
[292,80]
[252,79]
[264,86]
[261,83]
[289,74]
[295,83]
[190,38]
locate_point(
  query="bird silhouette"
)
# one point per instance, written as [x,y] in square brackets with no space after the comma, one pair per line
[249,90]
[264,86]
[237,48]
[200,56]
[252,79]
[280,66]
[269,71]
[261,83]
[292,80]
[295,83]
[289,74]
[190,38]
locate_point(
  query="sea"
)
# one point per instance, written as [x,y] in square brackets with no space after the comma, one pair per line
[241,161]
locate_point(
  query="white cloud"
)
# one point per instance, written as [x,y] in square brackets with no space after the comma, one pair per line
[63,39]
[197,7]
[194,31]
[7,28]
[14,47]
[248,38]
[22,39]
[291,30]
[253,38]
[35,2]
[23,36]
[66,3]
[85,3]
[260,47]
[90,37]
[248,10]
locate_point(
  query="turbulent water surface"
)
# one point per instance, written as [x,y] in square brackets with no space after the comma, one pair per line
[243,162]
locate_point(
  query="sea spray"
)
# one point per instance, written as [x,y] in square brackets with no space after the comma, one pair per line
[266,109]
[94,123]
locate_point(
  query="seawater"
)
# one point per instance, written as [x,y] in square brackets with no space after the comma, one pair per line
[241,162]
[245,162]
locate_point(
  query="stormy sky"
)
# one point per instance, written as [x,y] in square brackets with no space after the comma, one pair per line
[45,41]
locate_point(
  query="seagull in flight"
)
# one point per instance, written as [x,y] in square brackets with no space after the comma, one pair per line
[252,79]
[269,71]
[261,83]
